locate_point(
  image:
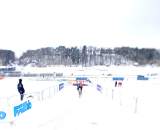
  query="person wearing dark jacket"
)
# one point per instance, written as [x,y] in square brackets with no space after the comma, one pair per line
[79,88]
[21,89]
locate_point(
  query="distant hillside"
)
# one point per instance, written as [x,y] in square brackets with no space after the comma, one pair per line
[85,56]
[6,57]
[90,56]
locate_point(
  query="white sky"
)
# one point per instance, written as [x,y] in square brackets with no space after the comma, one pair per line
[32,24]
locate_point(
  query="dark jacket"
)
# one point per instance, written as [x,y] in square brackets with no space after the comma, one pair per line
[20,88]
[79,86]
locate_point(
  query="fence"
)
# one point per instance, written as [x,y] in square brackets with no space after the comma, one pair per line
[135,96]
[12,107]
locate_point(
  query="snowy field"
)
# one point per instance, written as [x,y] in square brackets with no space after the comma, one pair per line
[134,105]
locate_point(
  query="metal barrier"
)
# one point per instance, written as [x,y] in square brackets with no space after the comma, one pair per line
[7,105]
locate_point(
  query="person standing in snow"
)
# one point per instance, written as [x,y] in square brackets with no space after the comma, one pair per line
[79,88]
[116,84]
[21,89]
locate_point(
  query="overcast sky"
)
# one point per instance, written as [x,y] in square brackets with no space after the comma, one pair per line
[32,24]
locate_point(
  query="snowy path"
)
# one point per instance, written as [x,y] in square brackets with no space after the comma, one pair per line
[66,111]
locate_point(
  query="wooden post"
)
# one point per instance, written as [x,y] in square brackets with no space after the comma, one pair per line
[112,94]
[136,105]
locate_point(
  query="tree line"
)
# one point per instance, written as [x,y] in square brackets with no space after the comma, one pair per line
[7,57]
[85,56]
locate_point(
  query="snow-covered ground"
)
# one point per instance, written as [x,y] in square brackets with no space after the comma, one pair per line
[135,105]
